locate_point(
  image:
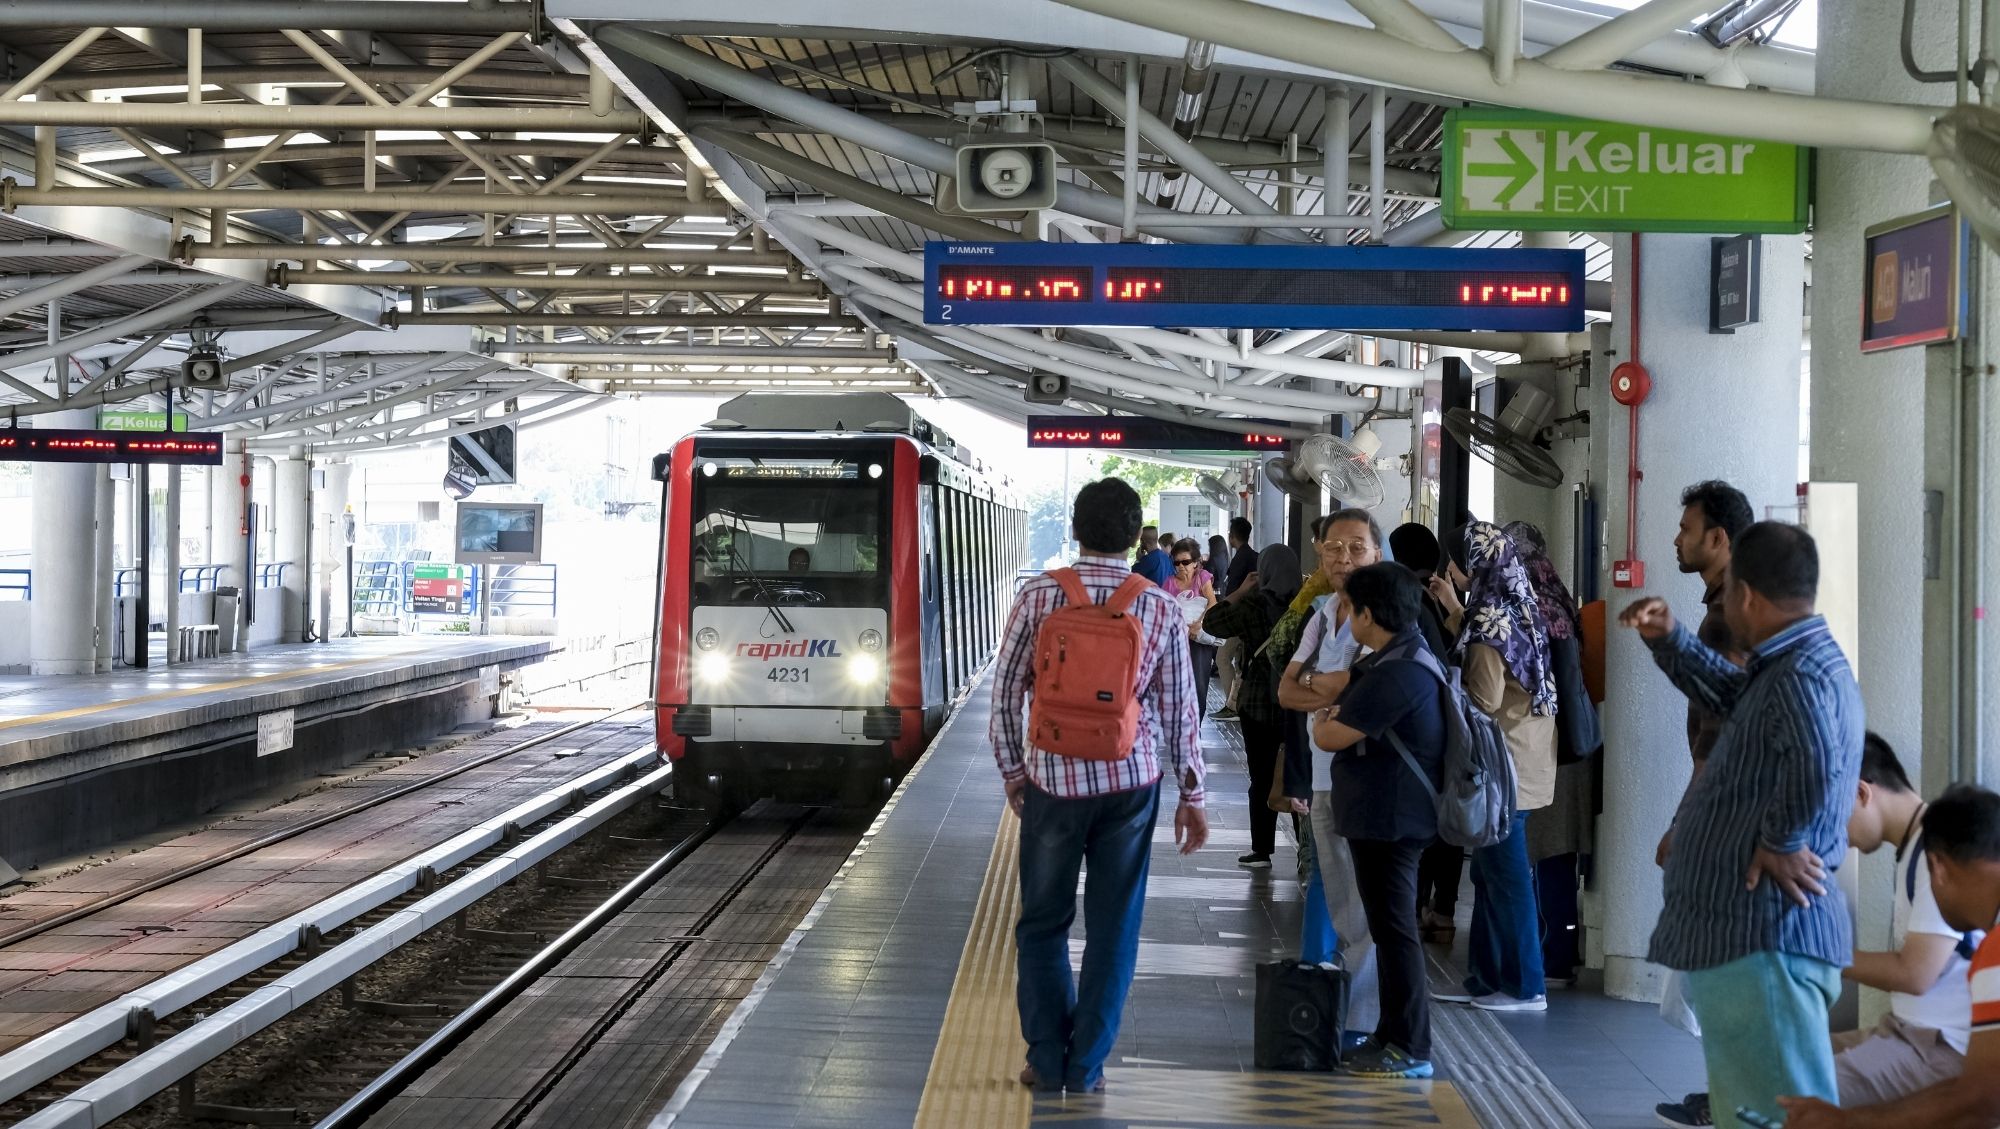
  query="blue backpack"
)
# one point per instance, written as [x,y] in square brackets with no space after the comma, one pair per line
[1475,807]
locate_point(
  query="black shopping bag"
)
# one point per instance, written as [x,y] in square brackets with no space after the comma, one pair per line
[1301,1010]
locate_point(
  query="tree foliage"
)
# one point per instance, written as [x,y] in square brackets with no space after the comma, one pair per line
[1148,478]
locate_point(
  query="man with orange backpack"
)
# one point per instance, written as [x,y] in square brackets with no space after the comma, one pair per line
[1100,657]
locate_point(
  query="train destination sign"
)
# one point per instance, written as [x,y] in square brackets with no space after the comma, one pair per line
[1520,170]
[1277,287]
[1143,433]
[97,445]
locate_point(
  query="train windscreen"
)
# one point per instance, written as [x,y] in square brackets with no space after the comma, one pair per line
[797,531]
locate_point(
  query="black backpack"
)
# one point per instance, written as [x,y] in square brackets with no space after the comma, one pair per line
[1475,808]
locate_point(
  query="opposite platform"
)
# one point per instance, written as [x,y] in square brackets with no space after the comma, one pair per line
[126,726]
[894,1005]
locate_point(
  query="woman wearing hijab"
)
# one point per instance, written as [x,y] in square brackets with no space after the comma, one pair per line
[1249,613]
[1503,652]
[1442,867]
[1560,837]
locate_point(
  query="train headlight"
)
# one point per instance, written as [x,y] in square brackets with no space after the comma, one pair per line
[870,639]
[708,638]
[712,668]
[864,669]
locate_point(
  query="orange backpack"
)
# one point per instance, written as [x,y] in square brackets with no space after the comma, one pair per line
[1087,656]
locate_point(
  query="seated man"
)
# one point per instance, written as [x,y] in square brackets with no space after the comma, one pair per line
[1961,836]
[801,560]
[1922,1040]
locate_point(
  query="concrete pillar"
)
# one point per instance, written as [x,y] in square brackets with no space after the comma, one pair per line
[62,621]
[330,548]
[228,499]
[1885,421]
[1267,510]
[291,489]
[1723,406]
[171,570]
[105,535]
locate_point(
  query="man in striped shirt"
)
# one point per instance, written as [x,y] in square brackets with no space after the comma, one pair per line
[1072,810]
[1962,848]
[1752,914]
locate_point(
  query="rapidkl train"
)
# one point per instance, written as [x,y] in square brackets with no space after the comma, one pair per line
[834,572]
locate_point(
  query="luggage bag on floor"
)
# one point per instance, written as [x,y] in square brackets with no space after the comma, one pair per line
[1301,1010]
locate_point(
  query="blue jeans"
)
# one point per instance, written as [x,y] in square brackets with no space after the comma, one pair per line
[1505,952]
[1071,1025]
[1763,1032]
[1317,940]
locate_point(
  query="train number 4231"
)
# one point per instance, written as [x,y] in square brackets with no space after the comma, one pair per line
[789,674]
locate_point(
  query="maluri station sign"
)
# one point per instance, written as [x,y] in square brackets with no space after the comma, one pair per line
[1517,170]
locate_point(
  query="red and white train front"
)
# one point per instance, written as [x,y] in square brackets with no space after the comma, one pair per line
[791,623]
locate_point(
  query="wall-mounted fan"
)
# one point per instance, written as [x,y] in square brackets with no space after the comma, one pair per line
[1965,154]
[1220,491]
[1509,441]
[1323,462]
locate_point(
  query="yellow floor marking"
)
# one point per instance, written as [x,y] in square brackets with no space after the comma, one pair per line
[1450,1107]
[974,1077]
[295,672]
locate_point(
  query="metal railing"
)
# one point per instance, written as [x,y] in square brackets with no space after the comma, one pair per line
[17,584]
[124,583]
[200,578]
[518,590]
[272,574]
[379,587]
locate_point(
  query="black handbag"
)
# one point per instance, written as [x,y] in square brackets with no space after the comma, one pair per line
[1301,1011]
[1578,735]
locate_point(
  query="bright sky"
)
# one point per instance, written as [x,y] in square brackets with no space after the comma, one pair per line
[1801,28]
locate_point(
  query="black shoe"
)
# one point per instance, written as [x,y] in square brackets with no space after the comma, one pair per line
[1690,1112]
[1254,861]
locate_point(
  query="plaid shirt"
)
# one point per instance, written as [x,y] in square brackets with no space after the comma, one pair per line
[1167,699]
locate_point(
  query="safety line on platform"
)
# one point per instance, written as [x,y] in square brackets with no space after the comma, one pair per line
[80,711]
[972,1082]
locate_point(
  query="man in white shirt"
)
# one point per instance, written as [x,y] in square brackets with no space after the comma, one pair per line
[1922,1041]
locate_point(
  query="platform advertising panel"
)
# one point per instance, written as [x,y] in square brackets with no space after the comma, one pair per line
[746,657]
[1520,170]
[439,589]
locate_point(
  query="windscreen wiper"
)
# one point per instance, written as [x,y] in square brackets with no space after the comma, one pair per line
[764,596]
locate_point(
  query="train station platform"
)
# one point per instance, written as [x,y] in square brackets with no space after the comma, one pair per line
[893,1003]
[133,749]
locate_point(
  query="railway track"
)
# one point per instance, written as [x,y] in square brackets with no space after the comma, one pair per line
[149,923]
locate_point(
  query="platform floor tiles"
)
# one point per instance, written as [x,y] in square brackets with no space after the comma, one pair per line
[894,1005]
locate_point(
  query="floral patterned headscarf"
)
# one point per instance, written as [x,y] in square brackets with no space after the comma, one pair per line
[1559,610]
[1502,612]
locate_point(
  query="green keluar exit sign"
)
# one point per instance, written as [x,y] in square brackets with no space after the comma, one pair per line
[1520,170]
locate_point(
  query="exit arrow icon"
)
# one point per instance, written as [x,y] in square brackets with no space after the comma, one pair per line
[1497,184]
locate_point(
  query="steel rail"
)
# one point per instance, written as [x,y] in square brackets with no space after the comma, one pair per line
[124,1087]
[385,1086]
[15,937]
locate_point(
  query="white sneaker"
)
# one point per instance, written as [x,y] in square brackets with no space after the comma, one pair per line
[1500,1001]
[1453,997]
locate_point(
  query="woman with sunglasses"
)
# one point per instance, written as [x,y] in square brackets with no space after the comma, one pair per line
[1193,588]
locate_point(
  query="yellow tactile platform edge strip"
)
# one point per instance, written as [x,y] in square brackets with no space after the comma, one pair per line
[973,1081]
[190,691]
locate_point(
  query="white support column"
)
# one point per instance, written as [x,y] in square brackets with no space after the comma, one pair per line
[171,573]
[228,499]
[330,551]
[294,525]
[1740,394]
[105,534]
[62,619]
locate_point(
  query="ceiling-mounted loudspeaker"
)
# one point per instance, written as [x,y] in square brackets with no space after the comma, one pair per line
[202,371]
[1047,388]
[1220,491]
[1510,441]
[1004,174]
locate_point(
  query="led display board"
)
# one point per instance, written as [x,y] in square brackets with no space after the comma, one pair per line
[1143,433]
[1279,287]
[96,445]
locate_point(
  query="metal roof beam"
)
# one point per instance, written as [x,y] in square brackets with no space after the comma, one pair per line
[267,15]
